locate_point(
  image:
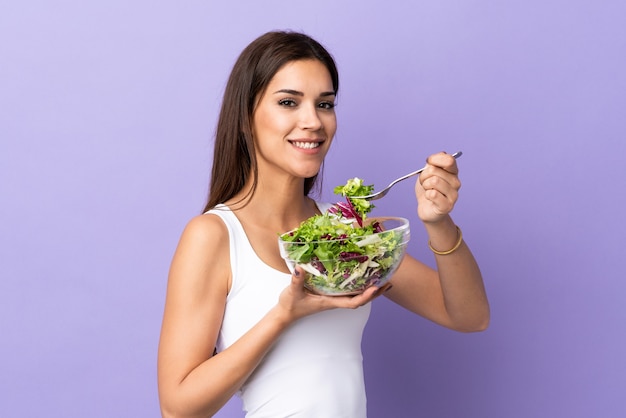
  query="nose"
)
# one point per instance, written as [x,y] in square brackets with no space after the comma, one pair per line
[309,118]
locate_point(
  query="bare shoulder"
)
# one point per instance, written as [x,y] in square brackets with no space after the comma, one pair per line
[201,252]
[204,233]
[196,296]
[206,228]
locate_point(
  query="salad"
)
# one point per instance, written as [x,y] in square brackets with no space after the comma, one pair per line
[342,250]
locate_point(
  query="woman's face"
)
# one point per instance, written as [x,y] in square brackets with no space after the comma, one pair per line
[294,121]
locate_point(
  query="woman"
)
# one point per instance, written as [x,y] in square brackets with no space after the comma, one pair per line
[235,320]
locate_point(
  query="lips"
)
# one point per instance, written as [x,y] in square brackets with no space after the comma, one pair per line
[306,144]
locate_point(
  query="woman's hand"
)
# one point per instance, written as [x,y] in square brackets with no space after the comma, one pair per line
[437,188]
[296,301]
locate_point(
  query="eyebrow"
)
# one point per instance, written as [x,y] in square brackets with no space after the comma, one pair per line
[299,93]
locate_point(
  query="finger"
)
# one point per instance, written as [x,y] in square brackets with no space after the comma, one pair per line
[352,302]
[371,293]
[382,289]
[440,204]
[297,279]
[440,194]
[444,161]
[437,186]
[439,179]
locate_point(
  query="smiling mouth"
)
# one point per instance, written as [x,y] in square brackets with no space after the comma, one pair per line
[305,145]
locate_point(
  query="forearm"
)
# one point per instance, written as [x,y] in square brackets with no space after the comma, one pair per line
[461,281]
[210,385]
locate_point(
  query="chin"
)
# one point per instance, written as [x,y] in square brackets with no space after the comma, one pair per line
[306,172]
[310,174]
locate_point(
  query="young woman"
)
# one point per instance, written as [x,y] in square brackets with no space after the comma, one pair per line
[236,320]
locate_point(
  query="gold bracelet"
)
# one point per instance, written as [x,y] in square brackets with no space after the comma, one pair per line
[453,249]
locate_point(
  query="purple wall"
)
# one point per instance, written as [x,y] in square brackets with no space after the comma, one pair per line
[106,115]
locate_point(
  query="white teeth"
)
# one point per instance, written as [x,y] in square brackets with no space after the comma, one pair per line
[306,145]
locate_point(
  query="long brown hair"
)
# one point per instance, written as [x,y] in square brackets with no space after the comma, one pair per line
[234,158]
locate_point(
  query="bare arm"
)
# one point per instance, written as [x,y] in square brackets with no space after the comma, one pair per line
[453,295]
[193,382]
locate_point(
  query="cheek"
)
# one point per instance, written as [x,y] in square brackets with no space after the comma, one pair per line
[269,122]
[259,122]
[332,131]
[330,124]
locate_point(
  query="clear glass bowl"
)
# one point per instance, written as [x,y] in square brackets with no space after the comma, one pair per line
[351,272]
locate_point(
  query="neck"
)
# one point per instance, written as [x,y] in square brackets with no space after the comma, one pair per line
[281,204]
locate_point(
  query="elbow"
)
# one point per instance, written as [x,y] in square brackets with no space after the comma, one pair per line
[175,413]
[477,323]
[177,406]
[168,411]
[168,404]
[170,408]
[471,328]
[178,411]
[477,327]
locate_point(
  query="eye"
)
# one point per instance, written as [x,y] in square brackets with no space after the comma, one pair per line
[287,102]
[326,105]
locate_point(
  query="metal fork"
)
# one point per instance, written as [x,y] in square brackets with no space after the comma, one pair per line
[383,192]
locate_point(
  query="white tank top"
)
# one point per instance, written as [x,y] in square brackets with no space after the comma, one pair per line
[315,369]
